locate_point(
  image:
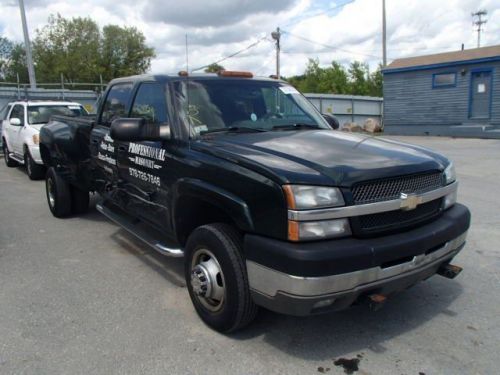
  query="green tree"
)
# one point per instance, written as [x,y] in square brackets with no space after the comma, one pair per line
[12,61]
[69,47]
[124,52]
[79,50]
[214,68]
[335,79]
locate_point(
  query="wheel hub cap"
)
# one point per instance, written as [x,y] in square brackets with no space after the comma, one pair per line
[200,281]
[207,280]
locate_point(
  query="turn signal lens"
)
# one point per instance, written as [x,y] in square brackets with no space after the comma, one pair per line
[36,139]
[318,230]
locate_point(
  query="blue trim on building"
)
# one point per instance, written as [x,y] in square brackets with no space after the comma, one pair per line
[446,85]
[440,65]
[471,88]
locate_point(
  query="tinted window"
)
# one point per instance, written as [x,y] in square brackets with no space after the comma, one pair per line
[216,104]
[40,114]
[116,102]
[18,112]
[150,104]
[445,79]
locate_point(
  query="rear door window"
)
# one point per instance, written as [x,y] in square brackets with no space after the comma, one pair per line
[115,105]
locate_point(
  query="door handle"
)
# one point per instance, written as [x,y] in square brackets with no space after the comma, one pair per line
[122,148]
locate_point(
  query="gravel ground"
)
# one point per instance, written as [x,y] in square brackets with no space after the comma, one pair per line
[81,296]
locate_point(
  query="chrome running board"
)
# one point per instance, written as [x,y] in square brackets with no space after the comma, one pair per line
[138,232]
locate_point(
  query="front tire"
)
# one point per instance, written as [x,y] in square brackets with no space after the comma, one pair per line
[216,278]
[34,170]
[58,194]
[8,161]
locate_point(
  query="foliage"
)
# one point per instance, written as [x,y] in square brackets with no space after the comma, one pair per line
[80,51]
[12,61]
[336,79]
[214,68]
[124,52]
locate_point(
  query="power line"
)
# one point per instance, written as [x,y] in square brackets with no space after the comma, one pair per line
[328,46]
[233,54]
[318,13]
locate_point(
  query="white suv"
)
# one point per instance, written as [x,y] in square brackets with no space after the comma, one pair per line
[21,128]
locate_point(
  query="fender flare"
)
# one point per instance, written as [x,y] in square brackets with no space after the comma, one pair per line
[232,205]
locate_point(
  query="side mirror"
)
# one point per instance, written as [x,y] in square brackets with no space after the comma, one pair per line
[331,120]
[14,121]
[137,129]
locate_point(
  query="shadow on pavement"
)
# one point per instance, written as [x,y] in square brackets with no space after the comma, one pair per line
[357,329]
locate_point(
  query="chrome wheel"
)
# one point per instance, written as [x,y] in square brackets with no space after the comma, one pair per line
[207,280]
[50,192]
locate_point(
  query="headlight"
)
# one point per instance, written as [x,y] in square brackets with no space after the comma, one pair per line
[36,139]
[450,174]
[301,197]
[318,230]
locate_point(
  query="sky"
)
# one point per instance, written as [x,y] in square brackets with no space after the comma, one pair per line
[341,30]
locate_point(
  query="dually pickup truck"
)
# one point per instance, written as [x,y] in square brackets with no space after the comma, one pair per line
[268,205]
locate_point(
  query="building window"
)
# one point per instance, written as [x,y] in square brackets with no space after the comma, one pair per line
[444,80]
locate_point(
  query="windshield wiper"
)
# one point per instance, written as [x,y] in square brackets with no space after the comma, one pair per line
[295,126]
[233,129]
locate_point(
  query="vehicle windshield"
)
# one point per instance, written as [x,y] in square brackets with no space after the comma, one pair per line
[40,114]
[246,105]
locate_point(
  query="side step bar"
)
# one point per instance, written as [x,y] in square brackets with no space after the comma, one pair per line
[139,233]
[19,160]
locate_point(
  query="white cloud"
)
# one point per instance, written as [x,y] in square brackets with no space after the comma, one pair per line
[218,28]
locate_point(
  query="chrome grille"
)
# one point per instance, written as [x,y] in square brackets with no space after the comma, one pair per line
[387,189]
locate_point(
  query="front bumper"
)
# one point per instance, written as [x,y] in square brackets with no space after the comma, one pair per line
[358,267]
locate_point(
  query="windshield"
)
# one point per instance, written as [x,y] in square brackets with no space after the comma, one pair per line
[219,105]
[40,114]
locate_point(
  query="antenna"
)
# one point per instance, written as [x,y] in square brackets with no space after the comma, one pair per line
[187,55]
[479,22]
[187,93]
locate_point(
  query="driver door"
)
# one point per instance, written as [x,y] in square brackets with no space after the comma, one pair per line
[14,131]
[143,165]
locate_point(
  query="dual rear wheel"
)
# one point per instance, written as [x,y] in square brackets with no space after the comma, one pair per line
[63,198]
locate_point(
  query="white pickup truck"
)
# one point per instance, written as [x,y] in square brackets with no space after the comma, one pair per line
[21,127]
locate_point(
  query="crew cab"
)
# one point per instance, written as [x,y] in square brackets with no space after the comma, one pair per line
[268,204]
[20,131]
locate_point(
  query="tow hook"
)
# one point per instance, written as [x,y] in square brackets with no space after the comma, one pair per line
[449,271]
[376,301]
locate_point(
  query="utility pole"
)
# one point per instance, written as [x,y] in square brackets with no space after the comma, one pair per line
[479,22]
[276,35]
[27,44]
[384,44]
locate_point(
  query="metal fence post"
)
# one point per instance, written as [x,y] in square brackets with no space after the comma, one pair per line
[62,86]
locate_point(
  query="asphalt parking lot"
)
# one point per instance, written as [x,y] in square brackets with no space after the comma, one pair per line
[81,296]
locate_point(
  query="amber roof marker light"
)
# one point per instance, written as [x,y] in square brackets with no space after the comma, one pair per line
[234,73]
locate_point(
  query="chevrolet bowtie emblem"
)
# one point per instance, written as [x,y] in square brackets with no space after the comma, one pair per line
[409,201]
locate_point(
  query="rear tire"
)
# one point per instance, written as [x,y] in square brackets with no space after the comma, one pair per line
[8,161]
[34,170]
[58,194]
[216,278]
